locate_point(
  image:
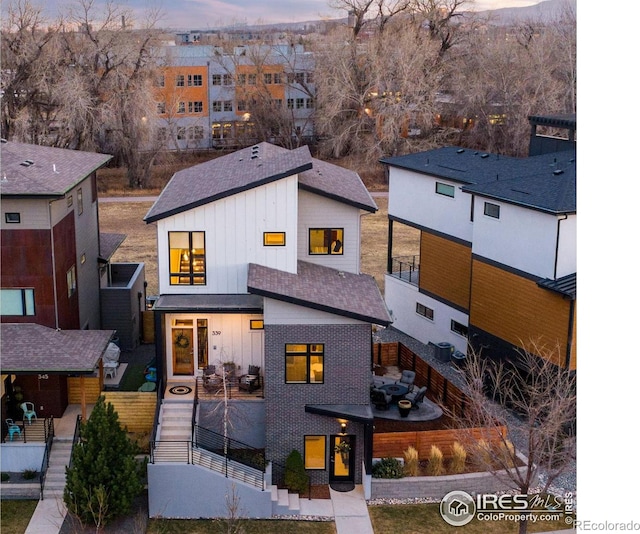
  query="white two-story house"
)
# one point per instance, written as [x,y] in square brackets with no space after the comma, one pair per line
[259,265]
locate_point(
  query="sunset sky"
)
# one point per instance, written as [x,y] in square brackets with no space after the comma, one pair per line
[203,14]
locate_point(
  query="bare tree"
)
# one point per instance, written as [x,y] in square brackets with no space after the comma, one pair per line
[543,395]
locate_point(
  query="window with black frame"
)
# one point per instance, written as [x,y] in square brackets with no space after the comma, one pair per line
[304,363]
[326,241]
[187,258]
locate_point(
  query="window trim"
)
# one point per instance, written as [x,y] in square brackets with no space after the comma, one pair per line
[12,217]
[426,314]
[266,236]
[492,210]
[253,324]
[441,187]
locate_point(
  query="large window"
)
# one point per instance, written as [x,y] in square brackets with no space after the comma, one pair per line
[186,258]
[315,452]
[180,80]
[195,107]
[304,363]
[326,240]
[17,302]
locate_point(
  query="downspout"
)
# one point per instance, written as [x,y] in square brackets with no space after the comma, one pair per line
[390,247]
[53,268]
[555,266]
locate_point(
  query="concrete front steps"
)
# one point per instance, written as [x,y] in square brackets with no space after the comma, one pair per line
[59,459]
[283,502]
[174,432]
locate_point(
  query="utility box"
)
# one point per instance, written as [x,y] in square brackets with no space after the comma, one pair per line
[444,351]
[458,358]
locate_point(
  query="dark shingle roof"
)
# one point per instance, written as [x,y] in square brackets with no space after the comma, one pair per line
[322,288]
[567,285]
[252,167]
[546,182]
[109,243]
[206,302]
[33,348]
[53,173]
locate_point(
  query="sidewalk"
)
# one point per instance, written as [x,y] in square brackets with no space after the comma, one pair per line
[350,511]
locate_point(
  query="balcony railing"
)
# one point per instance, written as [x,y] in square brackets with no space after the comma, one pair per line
[406,268]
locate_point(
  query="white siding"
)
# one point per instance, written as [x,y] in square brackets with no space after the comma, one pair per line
[34,214]
[278,312]
[401,299]
[568,247]
[521,238]
[234,229]
[229,337]
[413,197]
[316,211]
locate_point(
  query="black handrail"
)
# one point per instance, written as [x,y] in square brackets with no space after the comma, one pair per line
[76,438]
[48,438]
[229,448]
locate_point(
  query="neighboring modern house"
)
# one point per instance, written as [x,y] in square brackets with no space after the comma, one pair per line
[497,262]
[56,269]
[259,265]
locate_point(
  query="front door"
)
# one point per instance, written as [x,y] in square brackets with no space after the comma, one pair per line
[342,458]
[182,343]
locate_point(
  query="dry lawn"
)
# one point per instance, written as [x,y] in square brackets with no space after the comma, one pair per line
[140,244]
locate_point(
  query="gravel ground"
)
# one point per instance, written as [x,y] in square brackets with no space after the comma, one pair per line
[516,427]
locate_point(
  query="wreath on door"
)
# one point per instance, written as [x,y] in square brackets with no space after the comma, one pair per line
[182,341]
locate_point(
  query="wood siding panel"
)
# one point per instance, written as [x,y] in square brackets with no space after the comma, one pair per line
[395,443]
[445,269]
[136,410]
[516,310]
[92,388]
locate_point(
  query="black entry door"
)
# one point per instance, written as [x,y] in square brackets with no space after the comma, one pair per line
[342,458]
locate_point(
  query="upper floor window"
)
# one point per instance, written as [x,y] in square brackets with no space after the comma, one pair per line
[252,79]
[181,107]
[80,203]
[161,108]
[194,80]
[277,77]
[304,363]
[17,302]
[242,79]
[299,103]
[216,79]
[445,189]
[492,210]
[12,217]
[268,78]
[71,281]
[195,107]
[274,239]
[160,81]
[186,258]
[326,240]
[180,80]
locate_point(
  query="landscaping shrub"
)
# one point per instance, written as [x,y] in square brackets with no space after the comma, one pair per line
[295,477]
[411,462]
[388,468]
[5,477]
[458,459]
[435,467]
[29,474]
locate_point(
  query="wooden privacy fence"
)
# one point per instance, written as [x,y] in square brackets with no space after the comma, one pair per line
[395,443]
[438,387]
[136,409]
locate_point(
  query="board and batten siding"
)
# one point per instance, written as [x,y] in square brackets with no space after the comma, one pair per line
[413,198]
[515,309]
[283,313]
[316,211]
[445,269]
[234,228]
[524,239]
[229,336]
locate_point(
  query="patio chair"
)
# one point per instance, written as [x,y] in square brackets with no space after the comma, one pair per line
[29,411]
[407,378]
[416,397]
[380,399]
[12,428]
[251,381]
[210,380]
